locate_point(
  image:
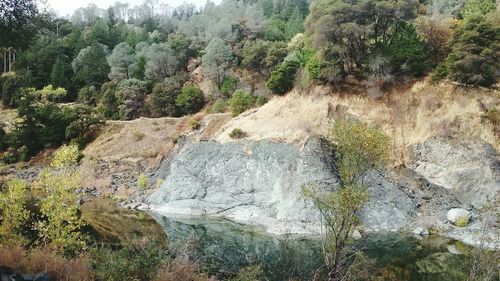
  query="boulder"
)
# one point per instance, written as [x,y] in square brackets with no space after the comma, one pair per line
[458,215]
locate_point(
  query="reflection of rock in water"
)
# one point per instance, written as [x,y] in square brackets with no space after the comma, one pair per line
[226,246]
[117,225]
[404,257]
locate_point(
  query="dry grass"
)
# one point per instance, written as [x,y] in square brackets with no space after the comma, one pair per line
[47,261]
[408,116]
[181,270]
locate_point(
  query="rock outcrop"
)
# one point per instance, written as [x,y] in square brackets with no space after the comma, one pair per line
[261,183]
[469,169]
[252,182]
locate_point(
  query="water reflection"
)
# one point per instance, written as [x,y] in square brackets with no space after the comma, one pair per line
[224,246]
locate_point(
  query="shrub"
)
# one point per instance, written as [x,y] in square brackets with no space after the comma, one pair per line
[61,227]
[237,134]
[260,100]
[249,273]
[358,149]
[130,95]
[13,210]
[283,77]
[219,106]
[313,67]
[194,123]
[142,181]
[240,101]
[190,100]
[229,85]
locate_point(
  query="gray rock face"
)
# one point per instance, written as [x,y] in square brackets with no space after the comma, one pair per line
[470,169]
[252,182]
[261,183]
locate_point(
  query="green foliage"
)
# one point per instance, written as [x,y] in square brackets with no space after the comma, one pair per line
[20,22]
[162,99]
[90,66]
[358,149]
[108,104]
[61,73]
[11,89]
[353,30]
[260,101]
[61,226]
[313,67]
[339,211]
[14,211]
[263,56]
[283,77]
[142,181]
[139,260]
[240,102]
[249,273]
[217,59]
[473,57]
[219,106]
[406,51]
[237,133]
[190,100]
[130,95]
[51,94]
[478,7]
[229,85]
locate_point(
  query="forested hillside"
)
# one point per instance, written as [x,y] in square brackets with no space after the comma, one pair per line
[71,74]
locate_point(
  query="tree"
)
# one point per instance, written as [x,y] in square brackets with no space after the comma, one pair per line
[240,102]
[190,100]
[160,61]
[473,58]
[217,59]
[61,73]
[130,94]
[120,61]
[90,65]
[282,79]
[162,99]
[19,22]
[358,149]
[353,29]
[437,34]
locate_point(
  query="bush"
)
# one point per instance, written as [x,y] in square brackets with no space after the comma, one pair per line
[260,100]
[237,134]
[142,181]
[240,102]
[190,100]
[194,123]
[229,85]
[130,94]
[313,67]
[13,210]
[219,106]
[283,77]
